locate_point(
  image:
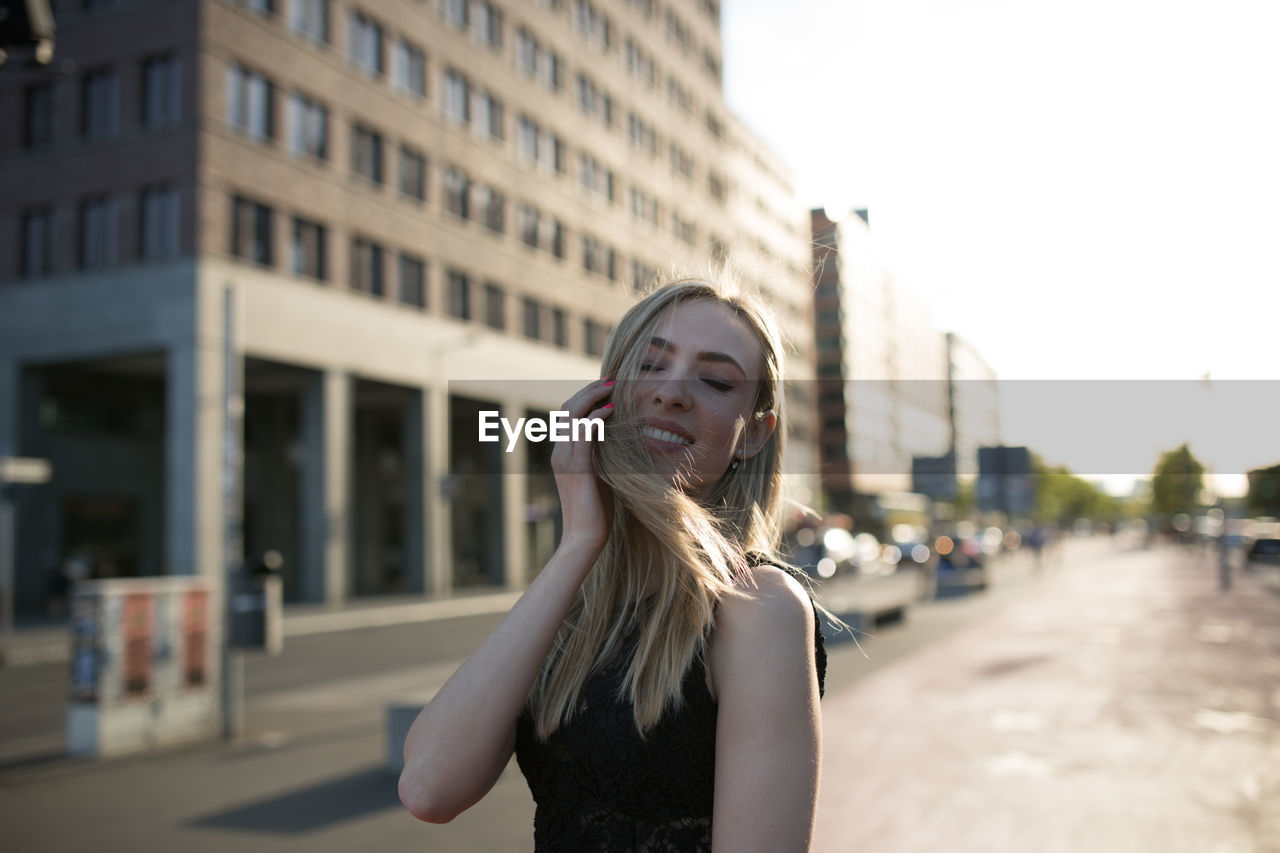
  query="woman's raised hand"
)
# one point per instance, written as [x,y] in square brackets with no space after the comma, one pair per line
[585,502]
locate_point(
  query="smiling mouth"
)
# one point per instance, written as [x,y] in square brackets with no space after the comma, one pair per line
[664,436]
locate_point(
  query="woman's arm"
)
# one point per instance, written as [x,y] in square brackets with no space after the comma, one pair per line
[458,746]
[768,733]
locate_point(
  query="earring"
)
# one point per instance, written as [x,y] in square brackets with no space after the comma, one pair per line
[733,466]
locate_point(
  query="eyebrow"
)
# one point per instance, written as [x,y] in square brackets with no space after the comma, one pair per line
[718,357]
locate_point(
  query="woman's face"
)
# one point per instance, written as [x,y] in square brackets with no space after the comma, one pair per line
[695,394]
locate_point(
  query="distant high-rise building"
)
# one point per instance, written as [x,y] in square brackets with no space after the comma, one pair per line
[895,395]
[307,241]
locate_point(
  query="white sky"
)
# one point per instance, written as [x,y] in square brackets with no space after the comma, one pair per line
[1083,190]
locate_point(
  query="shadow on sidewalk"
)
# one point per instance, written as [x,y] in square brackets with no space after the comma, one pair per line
[345,798]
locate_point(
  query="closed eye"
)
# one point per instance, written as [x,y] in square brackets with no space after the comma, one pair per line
[718,385]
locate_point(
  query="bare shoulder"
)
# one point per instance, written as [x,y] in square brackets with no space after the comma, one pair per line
[762,633]
[769,599]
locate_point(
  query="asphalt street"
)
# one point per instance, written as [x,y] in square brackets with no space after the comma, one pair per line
[1115,701]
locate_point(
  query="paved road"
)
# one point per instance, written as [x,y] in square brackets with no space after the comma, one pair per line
[956,717]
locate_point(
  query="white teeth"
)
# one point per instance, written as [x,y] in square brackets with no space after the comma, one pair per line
[663,435]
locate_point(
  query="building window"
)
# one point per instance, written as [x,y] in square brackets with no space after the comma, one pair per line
[38,114]
[640,63]
[159,224]
[456,12]
[249,103]
[680,97]
[643,205]
[528,216]
[265,8]
[494,208]
[539,61]
[526,52]
[458,295]
[37,242]
[559,239]
[598,257]
[486,113]
[409,69]
[642,275]
[100,105]
[457,100]
[413,280]
[366,153]
[681,161]
[310,19]
[595,177]
[526,139]
[495,306]
[592,24]
[99,234]
[457,192]
[559,327]
[642,134]
[531,311]
[678,32]
[683,229]
[251,231]
[552,153]
[307,249]
[308,126]
[161,91]
[593,337]
[413,173]
[594,100]
[486,24]
[364,43]
[717,187]
[366,266]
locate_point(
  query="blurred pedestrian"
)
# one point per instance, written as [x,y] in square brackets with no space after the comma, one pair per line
[661,668]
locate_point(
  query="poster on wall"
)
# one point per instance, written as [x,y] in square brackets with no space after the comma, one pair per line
[84,649]
[195,634]
[138,626]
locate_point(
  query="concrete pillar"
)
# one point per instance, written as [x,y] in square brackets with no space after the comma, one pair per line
[10,406]
[326,481]
[430,533]
[194,537]
[514,483]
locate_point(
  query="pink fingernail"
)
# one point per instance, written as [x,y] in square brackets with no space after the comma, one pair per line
[608,405]
[607,384]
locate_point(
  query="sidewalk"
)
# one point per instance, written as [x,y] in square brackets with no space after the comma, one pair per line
[1127,705]
[50,643]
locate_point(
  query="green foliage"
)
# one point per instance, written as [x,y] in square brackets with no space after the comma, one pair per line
[1062,497]
[1264,491]
[1176,483]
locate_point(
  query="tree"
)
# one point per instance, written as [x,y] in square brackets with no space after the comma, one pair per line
[1176,483]
[1062,497]
[1264,491]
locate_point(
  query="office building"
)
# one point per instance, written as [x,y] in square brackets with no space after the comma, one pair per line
[263,262]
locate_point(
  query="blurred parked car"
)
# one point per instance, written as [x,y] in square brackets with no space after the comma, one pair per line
[961,564]
[1264,551]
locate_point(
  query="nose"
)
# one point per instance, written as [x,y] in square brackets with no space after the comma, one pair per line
[671,391]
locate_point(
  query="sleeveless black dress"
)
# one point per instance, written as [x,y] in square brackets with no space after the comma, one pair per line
[599,787]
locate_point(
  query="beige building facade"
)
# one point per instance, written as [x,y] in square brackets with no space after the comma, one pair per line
[263,263]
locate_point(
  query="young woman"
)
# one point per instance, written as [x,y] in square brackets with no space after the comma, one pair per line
[659,679]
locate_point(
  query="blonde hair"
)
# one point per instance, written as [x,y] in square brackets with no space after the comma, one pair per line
[695,552]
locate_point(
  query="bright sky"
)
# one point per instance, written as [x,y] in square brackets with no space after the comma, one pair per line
[1083,190]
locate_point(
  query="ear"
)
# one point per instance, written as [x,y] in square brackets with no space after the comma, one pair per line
[759,428]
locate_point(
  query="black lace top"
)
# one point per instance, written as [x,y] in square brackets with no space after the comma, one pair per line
[599,787]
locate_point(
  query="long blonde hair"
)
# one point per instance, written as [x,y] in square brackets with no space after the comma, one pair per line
[694,552]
